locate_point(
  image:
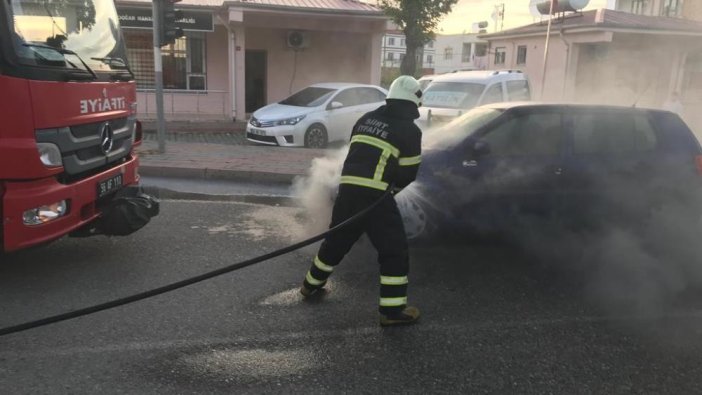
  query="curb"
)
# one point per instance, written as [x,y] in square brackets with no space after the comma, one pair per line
[215,174]
[164,193]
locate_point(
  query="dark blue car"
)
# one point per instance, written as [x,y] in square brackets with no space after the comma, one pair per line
[513,165]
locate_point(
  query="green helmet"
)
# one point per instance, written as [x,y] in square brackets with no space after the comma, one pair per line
[405,87]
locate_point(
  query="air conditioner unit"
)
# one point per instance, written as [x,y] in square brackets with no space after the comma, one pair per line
[297,39]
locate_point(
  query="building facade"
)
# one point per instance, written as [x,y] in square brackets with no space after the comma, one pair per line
[237,56]
[394,49]
[460,52]
[667,8]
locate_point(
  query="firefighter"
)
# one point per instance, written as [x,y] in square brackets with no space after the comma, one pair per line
[385,152]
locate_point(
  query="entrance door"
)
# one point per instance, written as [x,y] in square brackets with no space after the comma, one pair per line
[256,71]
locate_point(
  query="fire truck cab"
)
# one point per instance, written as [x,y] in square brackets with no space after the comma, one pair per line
[68,111]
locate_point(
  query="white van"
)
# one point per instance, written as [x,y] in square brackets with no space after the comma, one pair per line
[450,95]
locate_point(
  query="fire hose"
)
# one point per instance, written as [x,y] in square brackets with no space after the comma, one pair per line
[189,281]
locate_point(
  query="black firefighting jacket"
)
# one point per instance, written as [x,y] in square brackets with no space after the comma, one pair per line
[385,148]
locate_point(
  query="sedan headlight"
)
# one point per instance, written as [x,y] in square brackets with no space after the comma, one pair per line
[49,154]
[290,121]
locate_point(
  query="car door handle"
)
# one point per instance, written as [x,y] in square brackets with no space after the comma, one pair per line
[470,163]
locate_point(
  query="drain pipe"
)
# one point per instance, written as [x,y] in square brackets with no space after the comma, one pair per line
[567,66]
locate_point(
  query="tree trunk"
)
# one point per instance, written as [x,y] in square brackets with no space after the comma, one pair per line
[409,63]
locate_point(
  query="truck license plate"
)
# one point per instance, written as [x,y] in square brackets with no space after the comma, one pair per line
[105,187]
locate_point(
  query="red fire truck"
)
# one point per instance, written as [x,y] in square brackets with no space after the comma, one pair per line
[68,111]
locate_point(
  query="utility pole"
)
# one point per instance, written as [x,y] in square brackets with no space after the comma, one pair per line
[548,37]
[165,32]
[158,75]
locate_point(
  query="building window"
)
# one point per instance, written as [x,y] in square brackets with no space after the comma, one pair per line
[391,40]
[521,54]
[402,42]
[430,44]
[448,53]
[391,56]
[638,6]
[672,8]
[184,64]
[466,55]
[500,55]
[480,50]
[430,59]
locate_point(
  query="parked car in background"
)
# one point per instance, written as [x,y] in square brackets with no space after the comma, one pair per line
[450,95]
[314,116]
[507,165]
[425,80]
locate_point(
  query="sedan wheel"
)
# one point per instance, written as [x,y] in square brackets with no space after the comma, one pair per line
[414,218]
[316,136]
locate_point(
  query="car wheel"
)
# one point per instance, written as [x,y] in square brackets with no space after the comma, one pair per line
[316,136]
[415,219]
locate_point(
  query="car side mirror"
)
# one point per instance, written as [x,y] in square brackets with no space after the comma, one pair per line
[481,148]
[336,104]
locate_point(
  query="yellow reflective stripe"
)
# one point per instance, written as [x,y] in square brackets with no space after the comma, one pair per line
[413,160]
[364,182]
[390,280]
[380,169]
[322,266]
[393,302]
[376,142]
[313,280]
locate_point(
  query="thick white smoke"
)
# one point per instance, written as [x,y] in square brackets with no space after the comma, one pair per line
[316,190]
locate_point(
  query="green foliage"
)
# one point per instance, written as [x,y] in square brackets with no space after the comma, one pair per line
[417,19]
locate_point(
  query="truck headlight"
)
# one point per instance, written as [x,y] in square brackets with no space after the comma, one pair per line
[44,214]
[290,121]
[49,154]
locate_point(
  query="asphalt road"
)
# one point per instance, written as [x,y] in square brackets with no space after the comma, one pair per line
[495,319]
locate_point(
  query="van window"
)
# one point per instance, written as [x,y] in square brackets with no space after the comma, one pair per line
[493,94]
[518,90]
[612,133]
[463,95]
[531,134]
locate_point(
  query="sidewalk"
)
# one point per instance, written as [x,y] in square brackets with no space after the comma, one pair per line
[249,163]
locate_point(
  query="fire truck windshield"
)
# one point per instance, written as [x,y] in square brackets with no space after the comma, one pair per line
[86,29]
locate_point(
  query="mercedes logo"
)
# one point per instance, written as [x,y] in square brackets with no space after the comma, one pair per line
[106,138]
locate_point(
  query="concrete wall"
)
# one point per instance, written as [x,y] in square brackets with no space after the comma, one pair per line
[331,57]
[693,10]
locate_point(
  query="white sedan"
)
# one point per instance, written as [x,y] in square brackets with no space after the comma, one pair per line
[314,116]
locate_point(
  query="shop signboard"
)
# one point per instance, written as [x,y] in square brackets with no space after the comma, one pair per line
[140,18]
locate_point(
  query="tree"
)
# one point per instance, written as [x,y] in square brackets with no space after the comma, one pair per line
[418,20]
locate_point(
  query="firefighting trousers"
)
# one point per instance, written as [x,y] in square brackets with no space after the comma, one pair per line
[386,232]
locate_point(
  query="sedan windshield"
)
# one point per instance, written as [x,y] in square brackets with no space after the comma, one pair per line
[459,95]
[67,33]
[309,97]
[460,128]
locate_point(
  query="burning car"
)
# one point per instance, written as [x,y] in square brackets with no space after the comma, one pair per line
[512,164]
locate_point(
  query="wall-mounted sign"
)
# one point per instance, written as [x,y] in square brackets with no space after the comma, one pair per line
[140,18]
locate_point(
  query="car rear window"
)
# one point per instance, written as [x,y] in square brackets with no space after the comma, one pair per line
[613,133]
[460,95]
